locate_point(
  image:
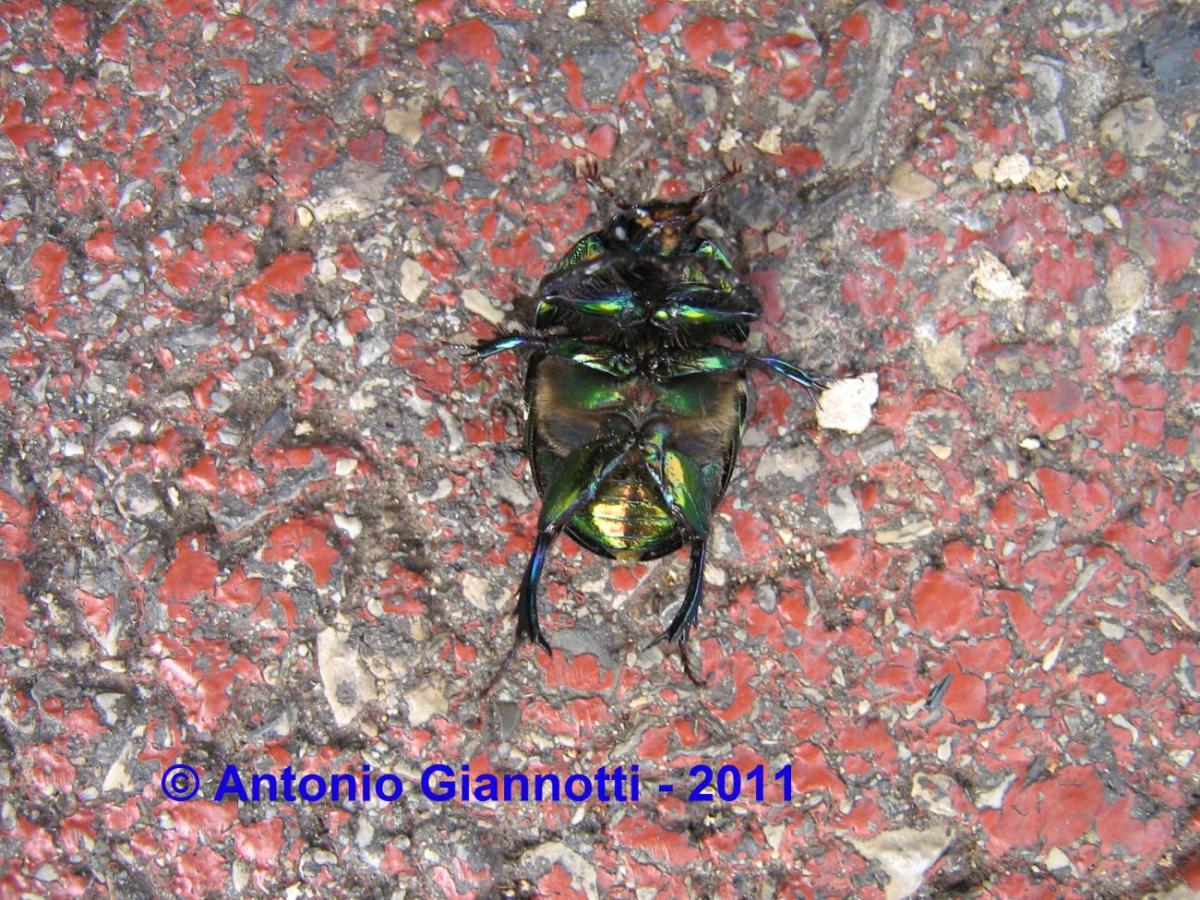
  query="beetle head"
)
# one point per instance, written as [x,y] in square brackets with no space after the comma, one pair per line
[656,227]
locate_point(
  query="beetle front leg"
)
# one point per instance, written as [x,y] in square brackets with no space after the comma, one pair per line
[575,484]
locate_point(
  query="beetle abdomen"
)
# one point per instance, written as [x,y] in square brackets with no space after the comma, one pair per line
[627,520]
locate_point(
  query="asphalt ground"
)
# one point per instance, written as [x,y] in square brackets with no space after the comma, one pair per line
[259,516]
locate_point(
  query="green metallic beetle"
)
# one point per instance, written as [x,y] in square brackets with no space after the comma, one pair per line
[636,393]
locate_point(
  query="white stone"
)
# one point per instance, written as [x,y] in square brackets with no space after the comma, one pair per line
[1081,18]
[326,271]
[1112,630]
[908,185]
[1175,603]
[362,189]
[475,591]
[993,798]
[991,282]
[118,778]
[770,142]
[1043,180]
[1056,859]
[349,524]
[413,280]
[842,510]
[731,139]
[479,303]
[905,855]
[797,463]
[364,833]
[405,122]
[846,404]
[372,350]
[1127,288]
[945,358]
[124,427]
[1012,169]
[1051,658]
[347,685]
[424,703]
[774,835]
[905,534]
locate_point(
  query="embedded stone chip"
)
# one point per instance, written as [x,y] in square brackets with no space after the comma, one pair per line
[846,405]
[1012,169]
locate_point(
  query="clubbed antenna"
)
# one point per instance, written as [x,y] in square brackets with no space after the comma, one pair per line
[591,171]
[734,170]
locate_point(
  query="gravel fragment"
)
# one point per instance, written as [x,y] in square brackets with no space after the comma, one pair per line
[842,510]
[424,703]
[1046,76]
[1090,18]
[1134,128]
[1012,169]
[846,404]
[347,684]
[905,855]
[413,280]
[796,463]
[1127,288]
[908,185]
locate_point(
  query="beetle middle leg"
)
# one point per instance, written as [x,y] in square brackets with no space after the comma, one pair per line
[505,342]
[810,381]
[573,486]
[713,359]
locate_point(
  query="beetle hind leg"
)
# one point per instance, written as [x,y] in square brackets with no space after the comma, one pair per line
[682,488]
[677,631]
[527,613]
[574,485]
